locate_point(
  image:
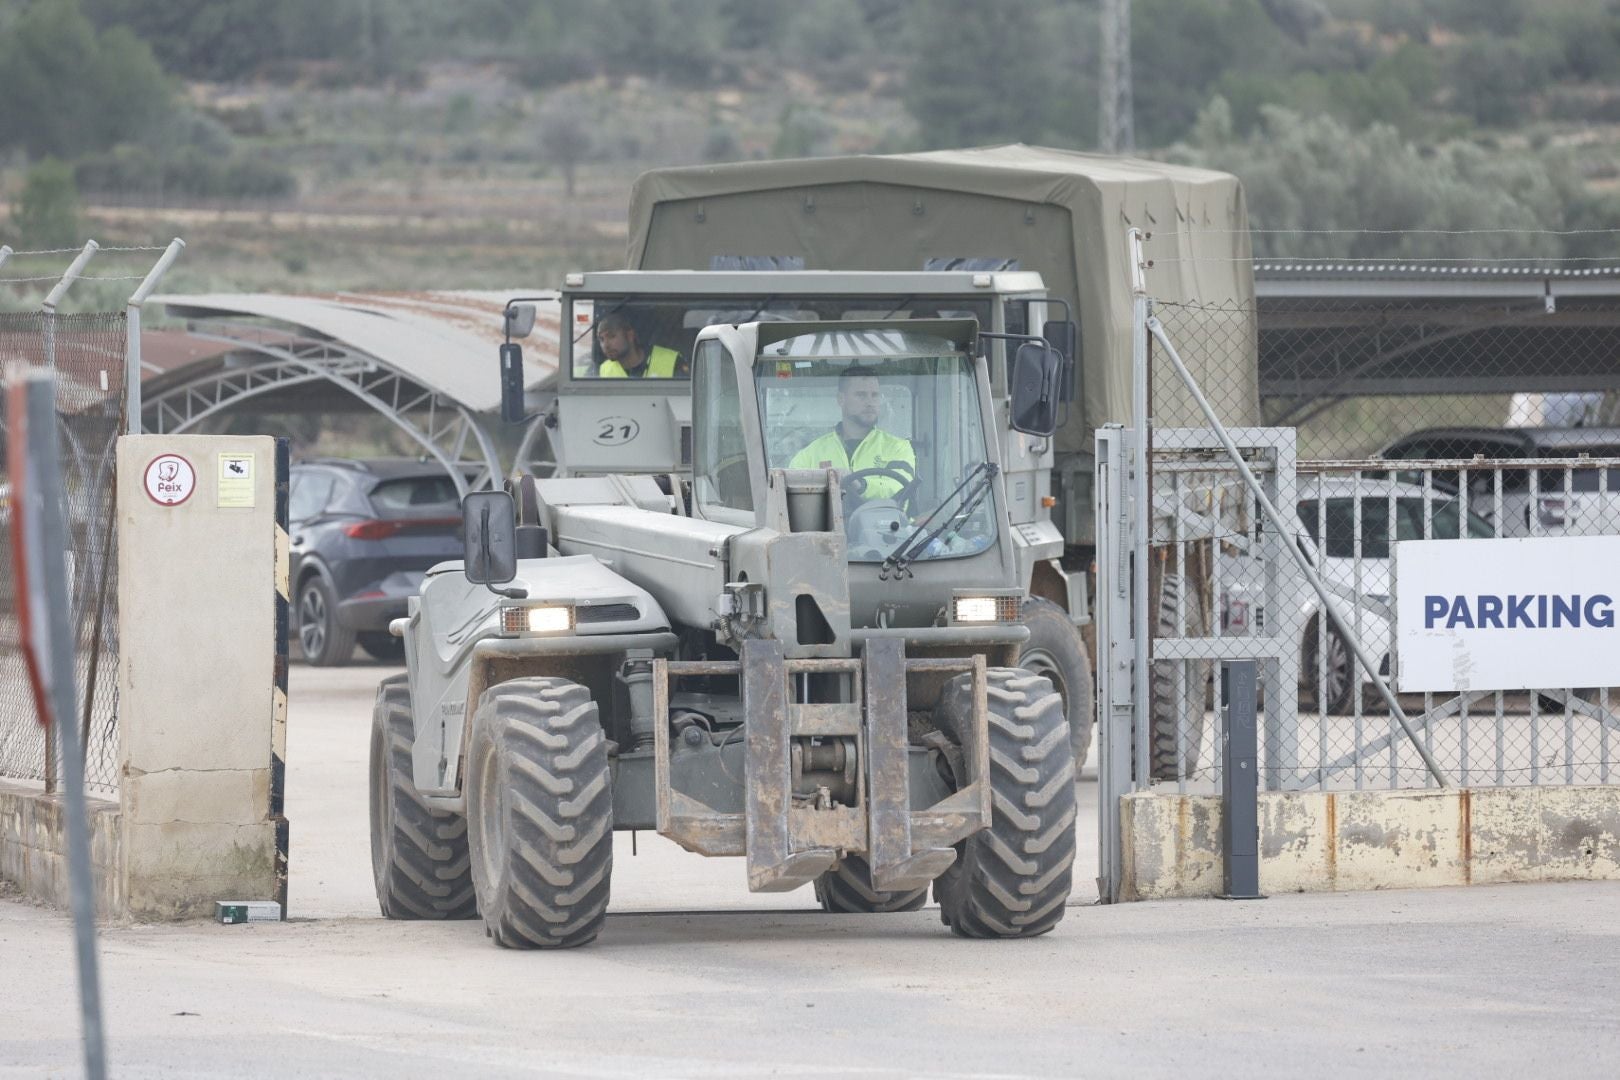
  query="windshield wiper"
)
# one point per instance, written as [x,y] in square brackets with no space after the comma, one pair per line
[970,493]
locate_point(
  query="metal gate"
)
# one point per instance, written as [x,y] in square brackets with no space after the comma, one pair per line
[1215,543]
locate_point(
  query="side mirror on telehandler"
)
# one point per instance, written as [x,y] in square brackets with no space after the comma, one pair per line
[1035,391]
[1064,334]
[489,554]
[512,404]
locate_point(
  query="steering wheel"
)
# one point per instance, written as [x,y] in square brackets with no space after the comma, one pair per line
[853,484]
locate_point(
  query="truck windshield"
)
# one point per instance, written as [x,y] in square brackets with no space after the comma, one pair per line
[651,337]
[896,413]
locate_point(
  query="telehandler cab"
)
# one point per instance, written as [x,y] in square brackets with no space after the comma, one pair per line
[805,665]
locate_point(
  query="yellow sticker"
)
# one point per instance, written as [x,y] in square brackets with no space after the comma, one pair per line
[236,480]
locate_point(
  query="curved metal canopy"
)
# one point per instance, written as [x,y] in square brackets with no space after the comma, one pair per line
[426,360]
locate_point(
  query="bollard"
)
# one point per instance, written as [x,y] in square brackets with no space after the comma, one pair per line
[1240,811]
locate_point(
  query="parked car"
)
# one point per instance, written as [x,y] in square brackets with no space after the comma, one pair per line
[1361,583]
[1571,501]
[363,534]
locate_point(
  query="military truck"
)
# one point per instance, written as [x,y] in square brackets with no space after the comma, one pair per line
[599,424]
[755,658]
[1057,213]
[1061,214]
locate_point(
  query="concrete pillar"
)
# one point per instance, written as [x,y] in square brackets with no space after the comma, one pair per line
[202,705]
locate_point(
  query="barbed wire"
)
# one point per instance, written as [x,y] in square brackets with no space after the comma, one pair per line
[81,277]
[76,250]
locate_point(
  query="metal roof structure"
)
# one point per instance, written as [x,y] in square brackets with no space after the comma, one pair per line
[1332,329]
[425,360]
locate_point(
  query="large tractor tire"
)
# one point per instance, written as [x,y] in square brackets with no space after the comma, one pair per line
[847,889]
[1013,879]
[419,857]
[1172,757]
[540,814]
[1056,650]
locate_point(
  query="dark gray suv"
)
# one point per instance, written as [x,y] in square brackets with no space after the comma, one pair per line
[363,533]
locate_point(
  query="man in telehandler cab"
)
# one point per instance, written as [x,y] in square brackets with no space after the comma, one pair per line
[856,443]
[626,357]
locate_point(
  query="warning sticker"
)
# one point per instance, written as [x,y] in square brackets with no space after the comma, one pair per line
[236,480]
[170,479]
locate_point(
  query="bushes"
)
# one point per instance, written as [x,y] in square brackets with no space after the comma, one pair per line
[47,212]
[192,171]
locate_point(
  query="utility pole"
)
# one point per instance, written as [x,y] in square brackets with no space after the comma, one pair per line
[1116,130]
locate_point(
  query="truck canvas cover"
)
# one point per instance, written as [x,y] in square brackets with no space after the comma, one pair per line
[1061,213]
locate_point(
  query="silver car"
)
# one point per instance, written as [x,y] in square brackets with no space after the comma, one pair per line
[1350,547]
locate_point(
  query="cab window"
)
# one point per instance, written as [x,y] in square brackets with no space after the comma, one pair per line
[720,471]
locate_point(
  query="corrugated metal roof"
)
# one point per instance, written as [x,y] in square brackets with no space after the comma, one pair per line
[445,341]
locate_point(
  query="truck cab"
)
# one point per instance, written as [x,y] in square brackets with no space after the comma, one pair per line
[602,422]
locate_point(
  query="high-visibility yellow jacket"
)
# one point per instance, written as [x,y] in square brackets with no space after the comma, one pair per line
[879,450]
[660,365]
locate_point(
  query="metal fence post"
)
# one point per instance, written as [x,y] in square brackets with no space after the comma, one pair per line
[1115,651]
[49,642]
[1142,500]
[132,338]
[1240,814]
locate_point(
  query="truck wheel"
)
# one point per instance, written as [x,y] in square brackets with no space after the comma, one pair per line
[1056,650]
[1163,709]
[847,889]
[1013,879]
[540,814]
[323,640]
[419,855]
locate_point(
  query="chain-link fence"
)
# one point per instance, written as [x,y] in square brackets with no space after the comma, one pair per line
[88,355]
[1399,421]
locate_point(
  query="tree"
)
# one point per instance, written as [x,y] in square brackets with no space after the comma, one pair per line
[47,211]
[566,140]
[1303,175]
[67,89]
[978,72]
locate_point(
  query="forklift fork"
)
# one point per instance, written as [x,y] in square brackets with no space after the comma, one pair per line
[790,838]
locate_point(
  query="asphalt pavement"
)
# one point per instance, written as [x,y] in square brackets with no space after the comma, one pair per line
[695,977]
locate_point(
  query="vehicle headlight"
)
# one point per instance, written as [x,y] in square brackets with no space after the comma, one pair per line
[538,619]
[985,609]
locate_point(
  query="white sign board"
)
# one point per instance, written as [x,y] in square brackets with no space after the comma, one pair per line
[1537,613]
[170,479]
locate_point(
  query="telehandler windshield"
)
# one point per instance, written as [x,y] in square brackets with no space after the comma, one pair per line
[897,414]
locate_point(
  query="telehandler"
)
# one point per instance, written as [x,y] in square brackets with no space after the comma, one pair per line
[804,665]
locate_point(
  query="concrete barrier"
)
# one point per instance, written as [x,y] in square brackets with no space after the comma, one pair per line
[1329,841]
[200,579]
[33,847]
[202,598]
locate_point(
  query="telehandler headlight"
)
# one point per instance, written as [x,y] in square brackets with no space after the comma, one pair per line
[543,619]
[985,609]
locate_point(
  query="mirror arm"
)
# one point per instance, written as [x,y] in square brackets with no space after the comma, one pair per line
[516,592]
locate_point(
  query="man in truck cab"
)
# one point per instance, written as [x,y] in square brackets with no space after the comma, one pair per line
[625,357]
[856,442]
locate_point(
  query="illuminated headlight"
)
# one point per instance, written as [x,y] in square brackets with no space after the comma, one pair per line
[547,619]
[985,609]
[975,609]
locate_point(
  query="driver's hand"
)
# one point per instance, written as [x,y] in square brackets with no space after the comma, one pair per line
[859,483]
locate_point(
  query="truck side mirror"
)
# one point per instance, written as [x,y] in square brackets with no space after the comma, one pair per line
[489,556]
[519,320]
[1064,334]
[512,410]
[1037,370]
